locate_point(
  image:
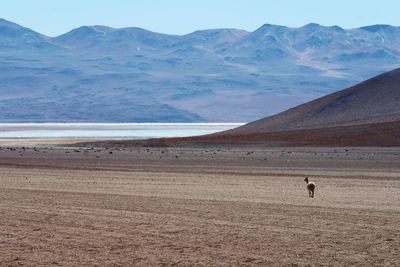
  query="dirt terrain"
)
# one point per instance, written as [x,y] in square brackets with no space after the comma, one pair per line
[199,206]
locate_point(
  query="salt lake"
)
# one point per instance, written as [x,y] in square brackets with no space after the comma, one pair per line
[109,130]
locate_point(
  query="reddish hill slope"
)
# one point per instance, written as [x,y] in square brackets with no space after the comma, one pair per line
[376,100]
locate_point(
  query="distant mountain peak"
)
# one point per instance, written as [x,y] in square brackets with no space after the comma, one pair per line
[137,31]
[84,31]
[83,35]
[271,27]
[13,31]
[101,28]
[379,27]
[11,26]
[312,25]
[316,26]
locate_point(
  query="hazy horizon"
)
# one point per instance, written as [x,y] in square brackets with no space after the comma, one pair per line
[197,30]
[176,17]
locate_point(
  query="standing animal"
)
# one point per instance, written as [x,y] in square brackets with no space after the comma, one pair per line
[310,187]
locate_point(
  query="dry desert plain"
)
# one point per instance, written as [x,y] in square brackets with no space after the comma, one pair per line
[226,206]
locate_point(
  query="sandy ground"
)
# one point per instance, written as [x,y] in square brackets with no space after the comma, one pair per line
[204,207]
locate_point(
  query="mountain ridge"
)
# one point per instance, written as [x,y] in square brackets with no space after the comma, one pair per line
[218,75]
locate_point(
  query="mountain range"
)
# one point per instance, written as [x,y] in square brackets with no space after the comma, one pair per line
[104,74]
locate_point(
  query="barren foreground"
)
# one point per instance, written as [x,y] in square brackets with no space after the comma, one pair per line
[176,206]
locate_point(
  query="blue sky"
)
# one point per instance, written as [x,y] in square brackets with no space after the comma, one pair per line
[54,17]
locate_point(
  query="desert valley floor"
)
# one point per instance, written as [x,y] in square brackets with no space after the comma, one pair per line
[199,206]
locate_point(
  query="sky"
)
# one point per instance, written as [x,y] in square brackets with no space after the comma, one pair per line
[55,17]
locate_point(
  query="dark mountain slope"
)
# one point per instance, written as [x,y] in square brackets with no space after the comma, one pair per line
[376,100]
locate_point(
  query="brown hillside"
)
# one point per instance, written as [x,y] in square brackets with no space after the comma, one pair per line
[376,100]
